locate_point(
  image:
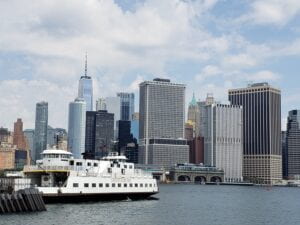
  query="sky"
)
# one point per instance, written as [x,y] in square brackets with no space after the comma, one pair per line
[209,45]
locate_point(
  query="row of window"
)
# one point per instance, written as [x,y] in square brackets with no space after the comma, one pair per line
[125,185]
[118,166]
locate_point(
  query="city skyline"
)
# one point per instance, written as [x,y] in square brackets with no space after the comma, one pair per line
[41,59]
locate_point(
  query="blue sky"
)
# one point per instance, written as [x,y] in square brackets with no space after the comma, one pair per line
[210,45]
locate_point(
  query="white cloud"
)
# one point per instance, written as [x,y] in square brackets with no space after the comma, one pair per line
[264,75]
[208,71]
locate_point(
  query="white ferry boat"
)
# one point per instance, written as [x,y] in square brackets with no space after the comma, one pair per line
[61,178]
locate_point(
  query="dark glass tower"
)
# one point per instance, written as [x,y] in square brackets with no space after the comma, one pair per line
[40,133]
[293,144]
[99,134]
[261,131]
[126,105]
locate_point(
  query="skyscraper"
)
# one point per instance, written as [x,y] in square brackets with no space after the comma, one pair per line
[126,105]
[29,136]
[135,125]
[100,104]
[76,127]
[113,105]
[40,134]
[85,89]
[261,132]
[223,146]
[162,113]
[293,144]
[284,155]
[193,115]
[19,138]
[99,136]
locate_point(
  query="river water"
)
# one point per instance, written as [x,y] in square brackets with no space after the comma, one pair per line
[179,205]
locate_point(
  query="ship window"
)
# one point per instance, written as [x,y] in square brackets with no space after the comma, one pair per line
[125,166]
[119,185]
[130,185]
[146,185]
[141,185]
[123,171]
[89,164]
[95,164]
[125,185]
[109,170]
[113,185]
[106,185]
[111,165]
[75,185]
[118,165]
[86,185]
[150,185]
[136,185]
[130,167]
[100,185]
[153,185]
[71,163]
[93,185]
[79,164]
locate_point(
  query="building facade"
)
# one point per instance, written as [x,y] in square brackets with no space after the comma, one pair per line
[40,134]
[284,155]
[113,105]
[126,105]
[161,128]
[222,129]
[18,137]
[293,144]
[261,132]
[76,127]
[101,104]
[99,135]
[135,125]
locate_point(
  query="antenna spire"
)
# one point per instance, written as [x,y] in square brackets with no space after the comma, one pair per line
[85,70]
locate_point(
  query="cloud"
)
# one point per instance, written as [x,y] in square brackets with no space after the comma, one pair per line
[208,71]
[264,75]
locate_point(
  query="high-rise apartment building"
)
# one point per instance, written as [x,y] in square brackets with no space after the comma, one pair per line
[99,135]
[76,127]
[261,131]
[161,130]
[40,134]
[85,89]
[223,148]
[126,105]
[293,144]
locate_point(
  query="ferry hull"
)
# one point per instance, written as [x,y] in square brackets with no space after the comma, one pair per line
[76,198]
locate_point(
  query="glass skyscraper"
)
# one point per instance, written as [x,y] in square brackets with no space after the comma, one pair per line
[40,133]
[76,130]
[85,89]
[127,105]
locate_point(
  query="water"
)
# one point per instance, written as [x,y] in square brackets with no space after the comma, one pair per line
[177,205]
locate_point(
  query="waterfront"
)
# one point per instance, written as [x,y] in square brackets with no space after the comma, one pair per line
[179,204]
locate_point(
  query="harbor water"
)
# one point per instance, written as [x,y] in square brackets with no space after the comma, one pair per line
[179,204]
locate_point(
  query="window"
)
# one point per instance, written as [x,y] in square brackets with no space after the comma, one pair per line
[86,185]
[118,165]
[71,163]
[113,185]
[123,171]
[95,164]
[150,185]
[93,185]
[106,185]
[79,164]
[119,185]
[75,185]
[136,185]
[146,185]
[130,167]
[89,164]
[125,166]
[109,170]
[141,185]
[125,185]
[130,185]
[100,185]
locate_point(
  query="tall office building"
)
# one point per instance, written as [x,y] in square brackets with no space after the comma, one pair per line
[135,125]
[85,89]
[100,104]
[76,127]
[284,155]
[29,136]
[162,113]
[113,105]
[293,144]
[18,137]
[99,135]
[40,134]
[222,129]
[126,105]
[261,132]
[193,114]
